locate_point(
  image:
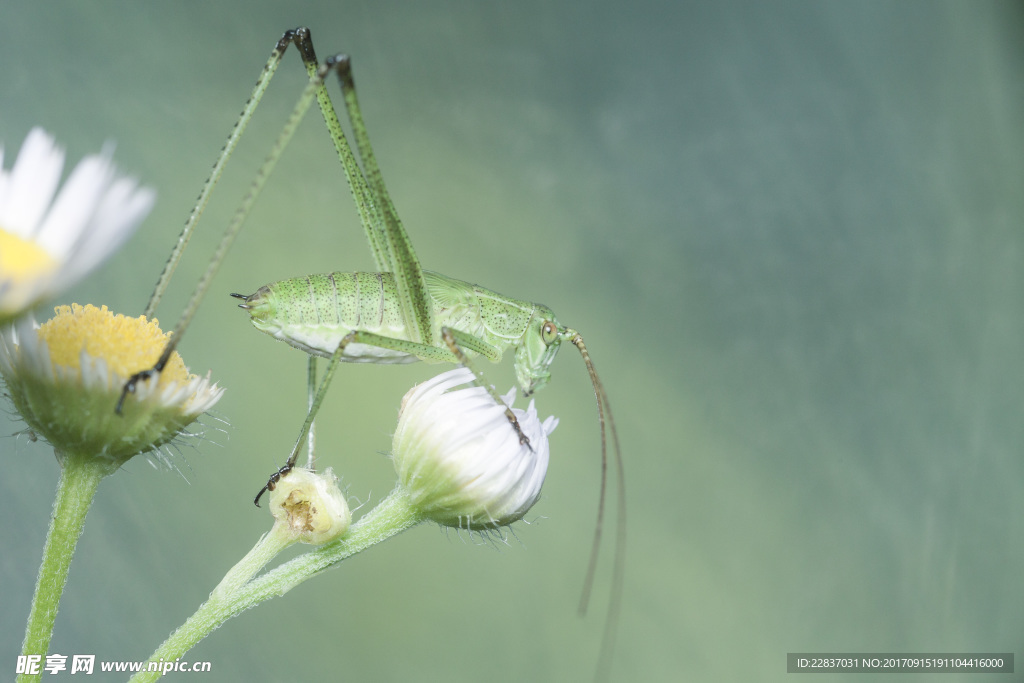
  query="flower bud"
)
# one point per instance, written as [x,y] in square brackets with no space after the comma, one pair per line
[460,459]
[311,505]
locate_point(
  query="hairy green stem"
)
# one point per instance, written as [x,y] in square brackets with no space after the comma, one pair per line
[79,478]
[238,591]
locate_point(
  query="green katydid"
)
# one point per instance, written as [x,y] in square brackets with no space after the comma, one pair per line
[399,314]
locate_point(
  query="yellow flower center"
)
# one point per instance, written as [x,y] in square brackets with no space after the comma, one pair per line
[22,259]
[128,345]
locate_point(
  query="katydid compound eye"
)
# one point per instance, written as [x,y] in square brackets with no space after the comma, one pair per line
[549,332]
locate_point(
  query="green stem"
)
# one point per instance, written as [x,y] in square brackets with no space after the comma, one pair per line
[236,593]
[79,478]
[266,549]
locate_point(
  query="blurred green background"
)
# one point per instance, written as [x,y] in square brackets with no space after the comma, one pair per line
[790,233]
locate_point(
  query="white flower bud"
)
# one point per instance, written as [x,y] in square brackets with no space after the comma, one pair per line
[459,458]
[311,505]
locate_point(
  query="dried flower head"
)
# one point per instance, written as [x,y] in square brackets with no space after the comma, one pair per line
[311,505]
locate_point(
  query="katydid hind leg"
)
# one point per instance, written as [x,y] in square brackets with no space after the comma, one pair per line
[190,224]
[218,168]
[366,203]
[240,215]
[414,299]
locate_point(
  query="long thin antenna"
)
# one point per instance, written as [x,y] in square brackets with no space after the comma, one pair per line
[604,415]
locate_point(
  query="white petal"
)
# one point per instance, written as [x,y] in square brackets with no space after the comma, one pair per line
[75,205]
[31,184]
[121,210]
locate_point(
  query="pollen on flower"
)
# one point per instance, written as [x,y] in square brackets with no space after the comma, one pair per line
[23,260]
[65,378]
[128,345]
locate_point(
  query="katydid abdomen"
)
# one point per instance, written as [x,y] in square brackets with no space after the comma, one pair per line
[314,313]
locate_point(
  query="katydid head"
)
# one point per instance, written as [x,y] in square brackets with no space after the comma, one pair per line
[537,348]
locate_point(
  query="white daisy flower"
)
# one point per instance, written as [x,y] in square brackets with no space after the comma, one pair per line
[48,243]
[65,378]
[459,458]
